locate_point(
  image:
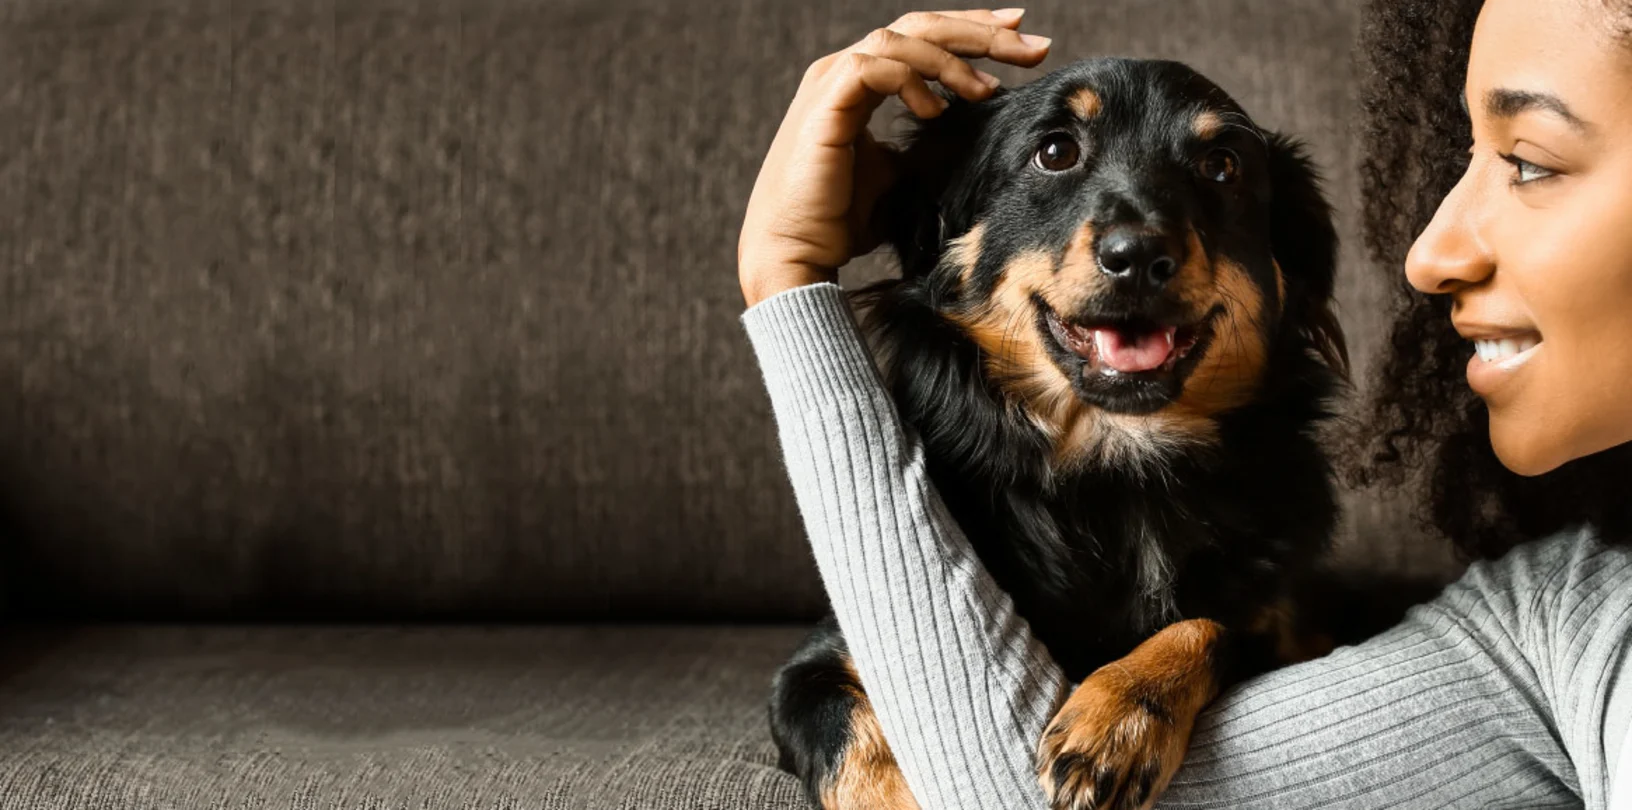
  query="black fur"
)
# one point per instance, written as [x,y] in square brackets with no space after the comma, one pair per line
[1099,557]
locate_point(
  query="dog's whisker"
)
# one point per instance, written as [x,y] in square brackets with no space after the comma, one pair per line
[1231,119]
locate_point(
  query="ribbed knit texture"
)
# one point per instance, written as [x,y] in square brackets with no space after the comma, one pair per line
[953,656]
[1495,694]
[1511,689]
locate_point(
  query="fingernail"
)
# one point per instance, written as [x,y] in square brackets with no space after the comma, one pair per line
[986,78]
[1034,41]
[1008,13]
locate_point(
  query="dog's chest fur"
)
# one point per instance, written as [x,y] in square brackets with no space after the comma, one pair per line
[1098,560]
[1104,562]
[1093,572]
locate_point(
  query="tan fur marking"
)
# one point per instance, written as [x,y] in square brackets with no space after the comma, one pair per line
[1229,375]
[1132,715]
[1004,327]
[963,253]
[1085,103]
[1207,125]
[1079,273]
[868,777]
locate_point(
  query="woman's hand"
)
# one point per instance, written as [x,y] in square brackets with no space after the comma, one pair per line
[811,203]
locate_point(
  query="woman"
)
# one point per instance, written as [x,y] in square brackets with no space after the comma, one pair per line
[1508,384]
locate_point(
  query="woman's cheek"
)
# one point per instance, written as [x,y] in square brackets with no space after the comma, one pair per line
[1600,377]
[1578,288]
[1600,322]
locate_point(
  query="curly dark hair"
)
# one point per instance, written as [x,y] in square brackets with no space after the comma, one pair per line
[1424,427]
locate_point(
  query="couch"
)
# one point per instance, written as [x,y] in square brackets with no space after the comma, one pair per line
[376,428]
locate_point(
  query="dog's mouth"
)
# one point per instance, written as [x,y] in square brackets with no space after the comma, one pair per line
[1128,364]
[1127,347]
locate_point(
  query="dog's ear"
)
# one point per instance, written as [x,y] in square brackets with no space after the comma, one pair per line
[1304,238]
[940,185]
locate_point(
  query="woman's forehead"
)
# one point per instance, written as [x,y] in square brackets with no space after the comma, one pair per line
[1556,58]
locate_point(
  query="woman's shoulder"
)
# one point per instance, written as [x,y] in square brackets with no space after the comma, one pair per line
[1547,589]
[1582,547]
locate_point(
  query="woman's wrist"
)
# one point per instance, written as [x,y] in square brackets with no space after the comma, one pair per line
[765,281]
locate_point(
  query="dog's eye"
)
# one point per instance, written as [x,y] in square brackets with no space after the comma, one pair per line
[1057,153]
[1220,166]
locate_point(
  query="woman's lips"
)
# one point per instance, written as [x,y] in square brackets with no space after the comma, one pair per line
[1497,359]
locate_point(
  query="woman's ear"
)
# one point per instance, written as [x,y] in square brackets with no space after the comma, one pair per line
[1304,239]
[939,182]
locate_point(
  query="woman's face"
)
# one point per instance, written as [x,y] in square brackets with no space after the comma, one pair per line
[1534,245]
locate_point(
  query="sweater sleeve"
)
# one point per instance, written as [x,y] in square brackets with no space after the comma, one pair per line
[1513,688]
[961,687]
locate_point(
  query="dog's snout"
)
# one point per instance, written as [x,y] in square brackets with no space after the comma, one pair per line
[1142,258]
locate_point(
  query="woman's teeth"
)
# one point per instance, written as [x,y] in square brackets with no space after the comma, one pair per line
[1496,351]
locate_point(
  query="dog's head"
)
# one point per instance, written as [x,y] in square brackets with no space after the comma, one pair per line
[1128,250]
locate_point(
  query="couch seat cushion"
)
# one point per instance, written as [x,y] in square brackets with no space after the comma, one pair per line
[433,717]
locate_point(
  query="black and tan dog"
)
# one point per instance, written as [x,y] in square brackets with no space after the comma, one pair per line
[1114,334]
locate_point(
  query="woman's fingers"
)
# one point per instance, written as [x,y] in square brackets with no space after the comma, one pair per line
[974,37]
[809,212]
[931,42]
[1006,17]
[861,81]
[930,61]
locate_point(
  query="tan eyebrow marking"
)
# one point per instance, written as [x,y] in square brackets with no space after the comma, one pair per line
[1085,103]
[1207,125]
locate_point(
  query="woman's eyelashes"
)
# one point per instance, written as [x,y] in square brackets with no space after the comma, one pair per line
[1525,172]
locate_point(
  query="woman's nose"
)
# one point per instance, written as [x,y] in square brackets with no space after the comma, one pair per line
[1450,254]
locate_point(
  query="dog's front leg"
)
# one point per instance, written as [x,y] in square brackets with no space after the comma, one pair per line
[1120,737]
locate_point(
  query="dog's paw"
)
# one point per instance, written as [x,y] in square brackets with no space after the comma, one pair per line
[1113,746]
[1121,736]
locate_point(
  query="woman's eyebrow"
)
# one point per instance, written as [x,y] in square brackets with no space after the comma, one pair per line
[1504,103]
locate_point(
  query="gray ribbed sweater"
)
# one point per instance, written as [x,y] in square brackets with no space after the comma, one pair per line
[1511,689]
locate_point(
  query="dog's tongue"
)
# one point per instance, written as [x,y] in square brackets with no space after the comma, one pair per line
[1133,352]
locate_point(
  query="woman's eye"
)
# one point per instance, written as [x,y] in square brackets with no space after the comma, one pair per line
[1527,172]
[1220,166]
[1057,153]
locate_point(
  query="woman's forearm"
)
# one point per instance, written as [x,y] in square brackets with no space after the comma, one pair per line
[961,688]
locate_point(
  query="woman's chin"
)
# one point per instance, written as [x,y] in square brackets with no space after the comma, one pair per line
[1525,450]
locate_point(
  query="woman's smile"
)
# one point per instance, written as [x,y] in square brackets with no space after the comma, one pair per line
[1499,353]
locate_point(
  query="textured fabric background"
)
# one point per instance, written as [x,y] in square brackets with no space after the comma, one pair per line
[430,719]
[398,309]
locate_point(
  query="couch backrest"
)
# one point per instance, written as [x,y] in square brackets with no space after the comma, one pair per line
[414,309]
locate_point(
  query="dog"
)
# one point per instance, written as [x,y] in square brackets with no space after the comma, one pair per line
[1114,333]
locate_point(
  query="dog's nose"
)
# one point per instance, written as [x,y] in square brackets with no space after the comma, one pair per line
[1142,257]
